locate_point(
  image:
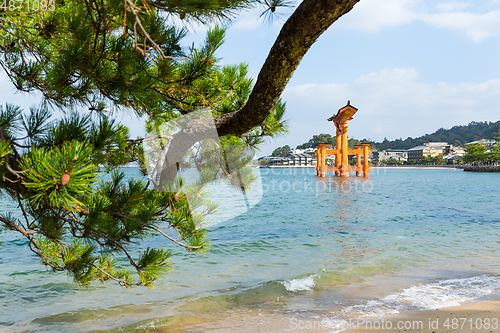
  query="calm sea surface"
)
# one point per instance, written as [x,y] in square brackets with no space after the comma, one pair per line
[296,246]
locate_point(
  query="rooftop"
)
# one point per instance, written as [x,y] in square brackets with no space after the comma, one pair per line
[300,155]
[418,148]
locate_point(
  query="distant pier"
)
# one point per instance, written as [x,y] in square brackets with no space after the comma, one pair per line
[482,168]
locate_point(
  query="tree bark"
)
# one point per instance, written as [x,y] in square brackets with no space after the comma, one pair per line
[300,31]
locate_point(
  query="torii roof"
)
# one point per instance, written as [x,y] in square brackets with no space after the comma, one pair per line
[344,113]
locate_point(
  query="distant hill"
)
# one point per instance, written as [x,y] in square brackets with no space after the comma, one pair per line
[457,136]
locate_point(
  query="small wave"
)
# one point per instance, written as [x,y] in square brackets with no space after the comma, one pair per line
[300,284]
[446,293]
[441,294]
[374,308]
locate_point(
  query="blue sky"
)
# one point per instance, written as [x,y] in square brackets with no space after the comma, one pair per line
[409,66]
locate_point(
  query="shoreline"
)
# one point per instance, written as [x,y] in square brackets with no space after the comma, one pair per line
[430,167]
[427,167]
[477,317]
[469,318]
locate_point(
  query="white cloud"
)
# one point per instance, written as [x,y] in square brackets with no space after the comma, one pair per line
[477,27]
[252,19]
[452,6]
[248,20]
[8,94]
[373,15]
[392,103]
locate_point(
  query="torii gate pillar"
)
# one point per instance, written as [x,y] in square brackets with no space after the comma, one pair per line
[342,150]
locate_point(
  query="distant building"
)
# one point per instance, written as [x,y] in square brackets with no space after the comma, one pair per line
[417,153]
[436,144]
[397,154]
[454,154]
[303,151]
[432,149]
[457,151]
[452,158]
[446,147]
[298,160]
[483,142]
[301,159]
[273,161]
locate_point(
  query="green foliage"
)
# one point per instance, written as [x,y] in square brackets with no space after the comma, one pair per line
[281,151]
[152,263]
[391,161]
[122,53]
[76,223]
[457,135]
[45,170]
[351,142]
[317,139]
[328,139]
[495,153]
[9,118]
[36,124]
[270,13]
[475,152]
[115,54]
[4,150]
[438,159]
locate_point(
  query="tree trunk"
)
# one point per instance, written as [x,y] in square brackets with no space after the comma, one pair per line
[299,32]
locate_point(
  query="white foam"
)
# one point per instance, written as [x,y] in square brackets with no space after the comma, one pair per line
[442,294]
[446,293]
[300,284]
[336,325]
[373,308]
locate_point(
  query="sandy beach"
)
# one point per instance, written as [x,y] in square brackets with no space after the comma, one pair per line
[310,255]
[480,317]
[434,167]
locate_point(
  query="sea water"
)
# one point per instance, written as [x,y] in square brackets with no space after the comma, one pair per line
[296,246]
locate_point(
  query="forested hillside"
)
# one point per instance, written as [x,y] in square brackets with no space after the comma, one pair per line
[457,135]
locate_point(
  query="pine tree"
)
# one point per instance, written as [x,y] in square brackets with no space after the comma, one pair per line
[125,54]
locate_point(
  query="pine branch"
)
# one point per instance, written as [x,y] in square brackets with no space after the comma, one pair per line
[120,282]
[26,233]
[138,22]
[172,239]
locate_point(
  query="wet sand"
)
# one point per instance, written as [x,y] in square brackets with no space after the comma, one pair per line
[434,167]
[482,317]
[477,318]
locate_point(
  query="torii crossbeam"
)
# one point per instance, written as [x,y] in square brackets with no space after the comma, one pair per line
[342,151]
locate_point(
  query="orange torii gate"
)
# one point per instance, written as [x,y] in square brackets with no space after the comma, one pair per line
[342,152]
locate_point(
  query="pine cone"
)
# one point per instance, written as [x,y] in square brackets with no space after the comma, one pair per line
[65,179]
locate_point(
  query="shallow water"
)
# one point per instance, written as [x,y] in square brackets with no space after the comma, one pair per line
[296,246]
